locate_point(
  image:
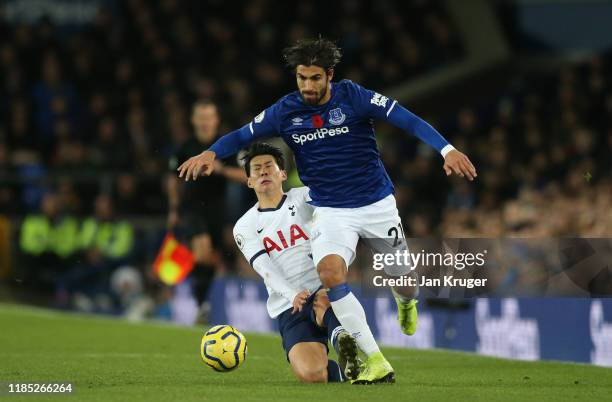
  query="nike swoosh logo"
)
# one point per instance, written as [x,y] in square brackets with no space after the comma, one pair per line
[260,230]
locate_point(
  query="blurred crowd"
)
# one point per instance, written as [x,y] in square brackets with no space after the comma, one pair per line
[543,153]
[115,97]
[545,157]
[543,150]
[92,119]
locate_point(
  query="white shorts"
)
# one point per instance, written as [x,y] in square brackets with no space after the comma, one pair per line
[337,230]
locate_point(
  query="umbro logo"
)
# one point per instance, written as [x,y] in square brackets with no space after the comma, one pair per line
[297,121]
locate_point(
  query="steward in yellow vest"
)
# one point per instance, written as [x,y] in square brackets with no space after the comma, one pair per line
[112,237]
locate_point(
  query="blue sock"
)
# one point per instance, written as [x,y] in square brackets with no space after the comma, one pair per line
[338,292]
[334,374]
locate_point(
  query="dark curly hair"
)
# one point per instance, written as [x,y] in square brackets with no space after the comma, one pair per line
[313,52]
[262,148]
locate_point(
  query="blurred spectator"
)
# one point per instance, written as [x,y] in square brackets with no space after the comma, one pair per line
[8,192]
[112,151]
[71,200]
[128,292]
[105,232]
[127,197]
[53,97]
[48,240]
[106,242]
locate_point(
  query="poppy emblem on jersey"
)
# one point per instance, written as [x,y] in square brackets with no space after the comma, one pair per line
[336,116]
[317,121]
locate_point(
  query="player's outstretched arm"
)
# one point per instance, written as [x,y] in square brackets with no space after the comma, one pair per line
[229,144]
[225,146]
[454,160]
[263,125]
[374,105]
[458,163]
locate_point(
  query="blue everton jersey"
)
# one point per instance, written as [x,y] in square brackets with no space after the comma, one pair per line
[334,144]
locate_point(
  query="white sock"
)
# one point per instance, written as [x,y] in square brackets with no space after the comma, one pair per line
[350,313]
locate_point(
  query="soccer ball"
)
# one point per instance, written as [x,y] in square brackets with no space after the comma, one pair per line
[223,348]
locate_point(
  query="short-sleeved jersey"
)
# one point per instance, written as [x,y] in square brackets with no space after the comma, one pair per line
[283,233]
[334,144]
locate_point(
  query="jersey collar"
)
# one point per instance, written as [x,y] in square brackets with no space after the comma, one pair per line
[280,204]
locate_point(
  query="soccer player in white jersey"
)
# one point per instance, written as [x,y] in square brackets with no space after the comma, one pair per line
[329,126]
[274,236]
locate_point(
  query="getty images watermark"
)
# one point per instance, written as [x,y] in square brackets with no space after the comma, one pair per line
[401,264]
[495,267]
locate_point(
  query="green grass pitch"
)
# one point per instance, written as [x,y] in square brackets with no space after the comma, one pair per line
[112,360]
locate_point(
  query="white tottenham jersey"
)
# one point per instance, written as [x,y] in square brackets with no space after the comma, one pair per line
[276,242]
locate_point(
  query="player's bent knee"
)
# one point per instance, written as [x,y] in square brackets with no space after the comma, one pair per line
[332,270]
[309,361]
[311,370]
[330,279]
[312,375]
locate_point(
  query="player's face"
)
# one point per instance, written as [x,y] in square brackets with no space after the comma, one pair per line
[205,120]
[266,176]
[313,83]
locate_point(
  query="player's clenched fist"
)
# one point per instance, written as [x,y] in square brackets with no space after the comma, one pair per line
[299,300]
[197,165]
[456,162]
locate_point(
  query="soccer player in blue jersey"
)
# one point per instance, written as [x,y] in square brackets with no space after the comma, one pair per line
[330,128]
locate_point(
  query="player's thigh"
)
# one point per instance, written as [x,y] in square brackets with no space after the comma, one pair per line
[300,327]
[334,232]
[380,219]
[309,361]
[383,231]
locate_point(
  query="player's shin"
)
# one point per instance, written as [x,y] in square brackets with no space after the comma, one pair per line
[351,315]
